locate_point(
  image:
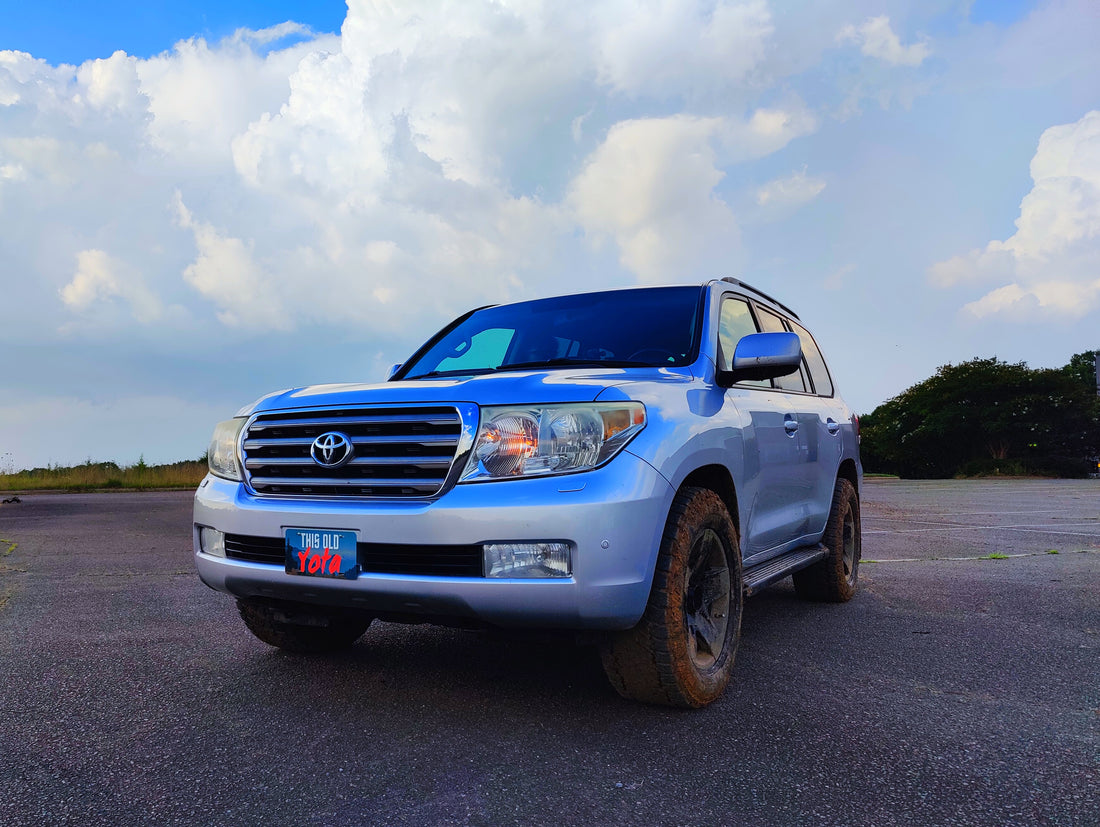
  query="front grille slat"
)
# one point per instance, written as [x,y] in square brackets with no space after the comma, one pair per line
[418,462]
[398,452]
[374,558]
[266,482]
[352,421]
[388,439]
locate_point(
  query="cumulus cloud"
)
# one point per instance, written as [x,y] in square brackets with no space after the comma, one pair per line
[1051,264]
[650,186]
[672,48]
[431,156]
[98,277]
[877,39]
[226,272]
[790,192]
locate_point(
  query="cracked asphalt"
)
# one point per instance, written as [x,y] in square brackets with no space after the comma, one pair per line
[961,686]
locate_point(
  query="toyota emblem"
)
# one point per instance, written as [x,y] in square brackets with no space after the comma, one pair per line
[331,450]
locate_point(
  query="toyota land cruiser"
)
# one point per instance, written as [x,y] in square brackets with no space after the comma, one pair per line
[632,462]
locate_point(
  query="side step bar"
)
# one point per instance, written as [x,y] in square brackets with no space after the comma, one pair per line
[764,574]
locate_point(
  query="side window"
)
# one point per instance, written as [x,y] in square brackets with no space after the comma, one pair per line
[793,381]
[819,373]
[486,348]
[734,322]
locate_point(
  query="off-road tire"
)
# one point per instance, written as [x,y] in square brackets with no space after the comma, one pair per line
[304,630]
[666,659]
[833,580]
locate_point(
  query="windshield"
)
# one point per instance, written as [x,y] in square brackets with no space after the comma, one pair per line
[648,327]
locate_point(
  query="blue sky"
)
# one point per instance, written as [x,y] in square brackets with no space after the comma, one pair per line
[72,32]
[202,204]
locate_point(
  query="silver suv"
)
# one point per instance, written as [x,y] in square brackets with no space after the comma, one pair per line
[632,462]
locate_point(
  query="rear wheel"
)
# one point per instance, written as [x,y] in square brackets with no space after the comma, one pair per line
[682,650]
[833,580]
[302,629]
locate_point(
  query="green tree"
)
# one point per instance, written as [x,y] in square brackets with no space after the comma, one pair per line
[988,416]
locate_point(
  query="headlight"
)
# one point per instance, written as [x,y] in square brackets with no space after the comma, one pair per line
[557,439]
[222,456]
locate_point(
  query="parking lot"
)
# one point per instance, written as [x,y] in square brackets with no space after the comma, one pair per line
[960,686]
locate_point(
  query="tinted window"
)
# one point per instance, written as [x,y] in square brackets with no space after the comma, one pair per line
[773,324]
[646,327]
[819,373]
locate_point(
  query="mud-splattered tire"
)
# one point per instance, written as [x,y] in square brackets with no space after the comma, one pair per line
[304,630]
[681,652]
[833,580]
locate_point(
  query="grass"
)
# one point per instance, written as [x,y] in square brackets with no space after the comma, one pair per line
[92,476]
[995,555]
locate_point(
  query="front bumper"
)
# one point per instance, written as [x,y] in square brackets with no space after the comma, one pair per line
[614,517]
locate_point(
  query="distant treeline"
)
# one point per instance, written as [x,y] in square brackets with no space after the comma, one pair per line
[988,417]
[96,475]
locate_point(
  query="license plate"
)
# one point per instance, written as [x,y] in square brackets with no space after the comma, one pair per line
[319,552]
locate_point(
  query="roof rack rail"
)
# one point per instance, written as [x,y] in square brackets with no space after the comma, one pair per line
[762,295]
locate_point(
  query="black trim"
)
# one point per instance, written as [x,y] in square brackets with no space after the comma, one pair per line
[374,558]
[763,295]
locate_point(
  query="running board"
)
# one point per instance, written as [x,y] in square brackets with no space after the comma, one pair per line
[771,571]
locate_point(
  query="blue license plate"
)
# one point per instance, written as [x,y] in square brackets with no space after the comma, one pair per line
[320,552]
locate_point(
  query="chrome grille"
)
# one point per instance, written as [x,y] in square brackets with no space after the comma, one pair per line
[398,452]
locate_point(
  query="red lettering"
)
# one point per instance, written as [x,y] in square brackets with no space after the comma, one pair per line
[324,559]
[334,564]
[314,564]
[302,555]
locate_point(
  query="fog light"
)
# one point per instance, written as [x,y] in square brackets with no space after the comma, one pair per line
[528,560]
[212,541]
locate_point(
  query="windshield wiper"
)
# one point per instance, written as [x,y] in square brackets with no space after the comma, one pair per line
[569,361]
[564,361]
[459,372]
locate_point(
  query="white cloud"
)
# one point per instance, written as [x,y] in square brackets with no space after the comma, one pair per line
[670,47]
[790,192]
[99,277]
[418,156]
[226,272]
[650,186]
[1040,300]
[1052,261]
[371,185]
[878,40]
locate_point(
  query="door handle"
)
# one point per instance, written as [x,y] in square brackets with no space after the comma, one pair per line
[790,425]
[832,426]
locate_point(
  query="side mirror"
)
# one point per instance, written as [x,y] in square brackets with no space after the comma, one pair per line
[393,370]
[763,356]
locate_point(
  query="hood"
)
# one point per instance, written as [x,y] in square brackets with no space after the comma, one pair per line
[528,387]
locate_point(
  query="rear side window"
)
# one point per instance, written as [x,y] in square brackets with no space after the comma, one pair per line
[793,381]
[819,373]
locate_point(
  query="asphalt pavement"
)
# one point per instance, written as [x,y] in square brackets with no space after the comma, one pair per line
[961,686]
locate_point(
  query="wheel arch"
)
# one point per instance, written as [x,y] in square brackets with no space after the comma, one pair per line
[718,479]
[848,471]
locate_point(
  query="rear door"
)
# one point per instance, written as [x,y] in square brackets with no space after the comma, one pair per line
[822,413]
[797,389]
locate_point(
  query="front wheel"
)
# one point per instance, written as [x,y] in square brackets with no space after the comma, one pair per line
[833,579]
[682,650]
[302,629]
